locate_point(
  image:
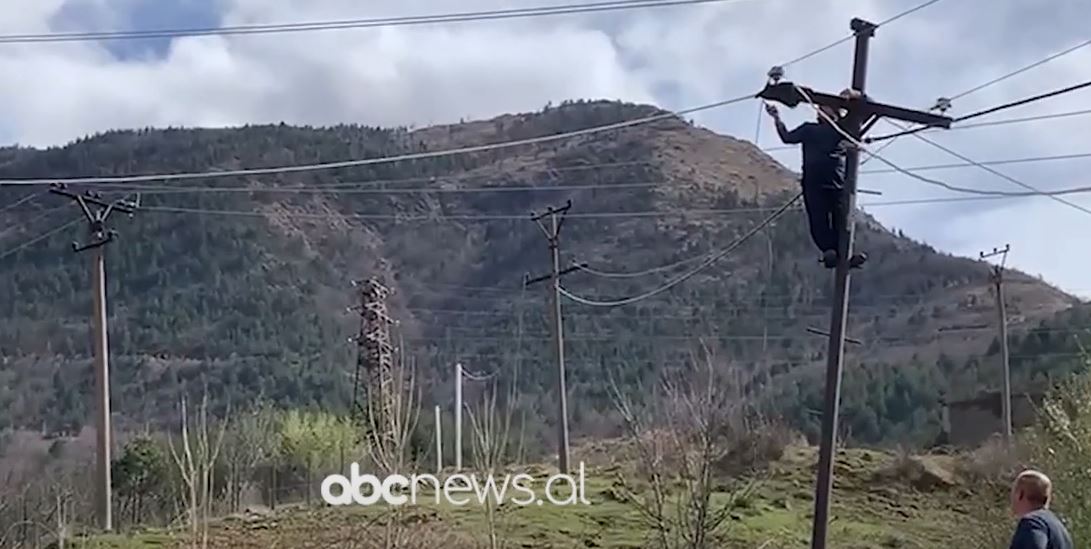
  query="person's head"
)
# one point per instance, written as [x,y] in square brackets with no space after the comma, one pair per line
[830,112]
[1031,491]
[834,113]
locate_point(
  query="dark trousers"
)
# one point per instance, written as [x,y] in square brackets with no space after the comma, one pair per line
[822,199]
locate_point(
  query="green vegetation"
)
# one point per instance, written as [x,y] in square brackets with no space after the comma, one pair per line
[873,509]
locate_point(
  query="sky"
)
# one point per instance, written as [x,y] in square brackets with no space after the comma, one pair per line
[675,57]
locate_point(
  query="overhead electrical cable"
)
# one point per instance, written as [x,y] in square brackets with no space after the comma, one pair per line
[977,195]
[1054,195]
[686,276]
[21,201]
[345,188]
[1021,70]
[344,24]
[978,114]
[378,160]
[39,238]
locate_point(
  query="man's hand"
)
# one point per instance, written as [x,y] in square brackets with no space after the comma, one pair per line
[772,110]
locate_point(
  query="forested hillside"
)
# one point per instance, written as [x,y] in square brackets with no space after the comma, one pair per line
[239,285]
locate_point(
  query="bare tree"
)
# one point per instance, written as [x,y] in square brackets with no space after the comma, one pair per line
[196,461]
[391,414]
[679,438]
[491,426]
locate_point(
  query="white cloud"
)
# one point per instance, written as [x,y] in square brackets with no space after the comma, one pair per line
[677,57]
[416,75]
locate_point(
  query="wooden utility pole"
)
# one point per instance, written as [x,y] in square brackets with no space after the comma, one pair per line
[553,237]
[100,236]
[861,115]
[997,276]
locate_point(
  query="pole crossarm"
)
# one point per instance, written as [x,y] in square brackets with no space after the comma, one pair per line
[96,219]
[551,210]
[997,251]
[789,95]
[93,198]
[527,281]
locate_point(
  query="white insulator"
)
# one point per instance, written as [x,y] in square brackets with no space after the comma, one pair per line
[776,73]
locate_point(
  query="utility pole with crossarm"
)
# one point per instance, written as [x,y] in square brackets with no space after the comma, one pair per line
[862,113]
[101,236]
[553,238]
[1002,325]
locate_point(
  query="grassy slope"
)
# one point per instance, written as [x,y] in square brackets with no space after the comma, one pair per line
[873,508]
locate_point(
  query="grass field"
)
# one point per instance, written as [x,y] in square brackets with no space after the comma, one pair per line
[880,501]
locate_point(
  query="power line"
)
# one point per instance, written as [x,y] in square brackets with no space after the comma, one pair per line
[1002,122]
[638,274]
[343,24]
[780,361]
[379,160]
[442,218]
[22,201]
[1034,190]
[978,114]
[478,377]
[413,190]
[345,188]
[1024,160]
[546,171]
[40,237]
[1021,70]
[682,278]
[1024,101]
[795,298]
[450,217]
[41,215]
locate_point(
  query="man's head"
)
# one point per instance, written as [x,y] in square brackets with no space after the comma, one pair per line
[830,112]
[1031,491]
[837,114]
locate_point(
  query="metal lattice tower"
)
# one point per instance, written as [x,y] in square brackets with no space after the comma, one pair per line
[375,357]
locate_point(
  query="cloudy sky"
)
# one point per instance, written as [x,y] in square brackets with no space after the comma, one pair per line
[675,57]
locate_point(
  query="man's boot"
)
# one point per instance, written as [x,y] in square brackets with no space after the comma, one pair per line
[857,260]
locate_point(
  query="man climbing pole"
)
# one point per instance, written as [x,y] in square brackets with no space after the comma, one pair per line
[823,177]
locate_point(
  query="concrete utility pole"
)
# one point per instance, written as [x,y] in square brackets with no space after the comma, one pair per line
[458,416]
[553,237]
[100,236]
[439,442]
[862,113]
[998,284]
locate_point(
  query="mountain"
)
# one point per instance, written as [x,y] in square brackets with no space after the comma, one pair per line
[239,285]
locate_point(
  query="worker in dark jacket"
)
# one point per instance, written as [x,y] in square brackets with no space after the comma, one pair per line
[824,151]
[1038,527]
